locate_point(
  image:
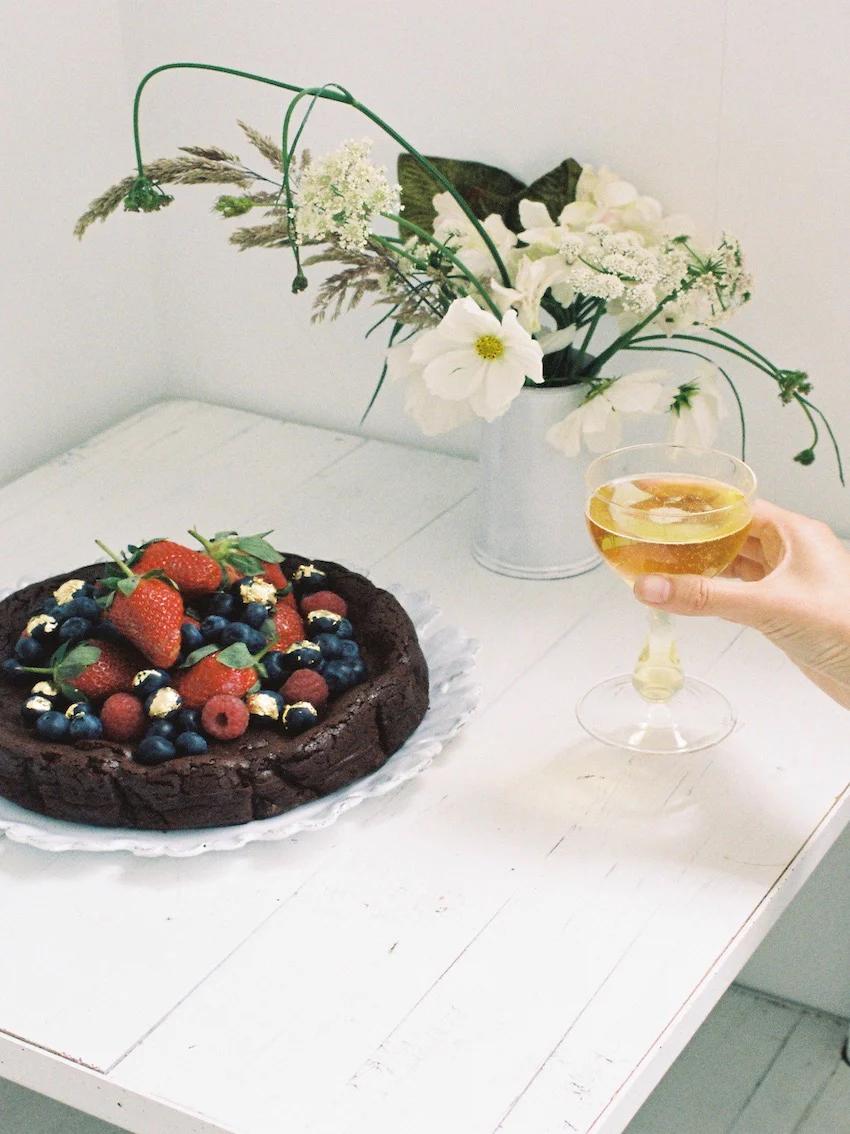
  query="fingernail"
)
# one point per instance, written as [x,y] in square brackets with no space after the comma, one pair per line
[653,588]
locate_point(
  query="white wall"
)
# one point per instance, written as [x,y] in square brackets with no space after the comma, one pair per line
[80,345]
[733,111]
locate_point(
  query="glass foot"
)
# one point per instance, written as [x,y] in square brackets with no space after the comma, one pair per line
[694,718]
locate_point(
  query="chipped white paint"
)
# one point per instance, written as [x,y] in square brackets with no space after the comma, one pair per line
[521,940]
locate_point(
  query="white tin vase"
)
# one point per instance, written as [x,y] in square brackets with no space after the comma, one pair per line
[531,498]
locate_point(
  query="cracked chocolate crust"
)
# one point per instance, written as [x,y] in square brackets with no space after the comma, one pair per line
[261,774]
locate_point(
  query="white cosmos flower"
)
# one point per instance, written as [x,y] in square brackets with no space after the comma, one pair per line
[598,421]
[471,357]
[697,408]
[532,279]
[453,226]
[432,414]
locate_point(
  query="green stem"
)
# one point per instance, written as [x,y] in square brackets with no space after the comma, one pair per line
[805,402]
[771,372]
[746,346]
[333,96]
[622,342]
[450,256]
[597,315]
[205,543]
[116,559]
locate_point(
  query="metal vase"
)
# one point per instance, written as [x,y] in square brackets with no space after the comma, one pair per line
[531,498]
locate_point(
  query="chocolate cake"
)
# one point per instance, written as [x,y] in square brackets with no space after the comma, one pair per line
[259,775]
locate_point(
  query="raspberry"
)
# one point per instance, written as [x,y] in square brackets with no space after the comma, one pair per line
[123,717]
[306,685]
[325,600]
[225,717]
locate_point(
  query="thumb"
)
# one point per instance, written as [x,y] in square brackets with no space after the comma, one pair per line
[732,599]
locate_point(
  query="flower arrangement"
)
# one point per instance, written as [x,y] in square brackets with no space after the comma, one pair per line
[491,285]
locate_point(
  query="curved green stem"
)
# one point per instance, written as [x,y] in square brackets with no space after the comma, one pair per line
[450,256]
[116,559]
[770,371]
[334,96]
[805,402]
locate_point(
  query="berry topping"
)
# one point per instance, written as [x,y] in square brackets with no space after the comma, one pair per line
[74,629]
[33,707]
[41,627]
[341,675]
[123,717]
[254,614]
[324,600]
[86,726]
[225,717]
[168,729]
[45,689]
[213,626]
[209,676]
[79,709]
[288,626]
[265,705]
[306,685]
[298,718]
[191,637]
[28,651]
[308,579]
[68,589]
[147,681]
[259,590]
[301,655]
[190,744]
[164,703]
[52,725]
[146,609]
[192,571]
[323,622]
[154,750]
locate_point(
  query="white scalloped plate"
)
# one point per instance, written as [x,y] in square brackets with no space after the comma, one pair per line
[450,655]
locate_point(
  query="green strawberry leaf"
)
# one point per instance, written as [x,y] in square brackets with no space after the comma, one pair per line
[60,653]
[256,545]
[284,591]
[67,691]
[127,586]
[269,630]
[197,655]
[112,571]
[256,687]
[237,656]
[79,659]
[222,535]
[247,564]
[261,669]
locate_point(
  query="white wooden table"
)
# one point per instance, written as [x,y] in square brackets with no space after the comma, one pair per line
[520,940]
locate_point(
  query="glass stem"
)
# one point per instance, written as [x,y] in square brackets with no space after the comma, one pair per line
[658,672]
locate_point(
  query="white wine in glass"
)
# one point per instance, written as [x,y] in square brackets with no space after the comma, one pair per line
[674,510]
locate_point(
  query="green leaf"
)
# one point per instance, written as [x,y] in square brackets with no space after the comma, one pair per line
[60,653]
[555,189]
[485,188]
[127,586]
[80,658]
[269,630]
[247,564]
[256,545]
[237,656]
[256,687]
[196,655]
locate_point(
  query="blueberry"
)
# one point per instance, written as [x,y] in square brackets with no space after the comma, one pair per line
[191,744]
[13,670]
[223,604]
[77,709]
[255,641]
[53,725]
[191,637]
[81,606]
[107,631]
[154,750]
[42,628]
[235,632]
[298,717]
[28,651]
[340,675]
[85,726]
[301,655]
[348,650]
[34,707]
[188,720]
[344,629]
[322,622]
[265,706]
[163,729]
[74,629]
[276,668]
[164,704]
[330,645]
[358,670]
[309,578]
[255,614]
[147,681]
[49,606]
[212,627]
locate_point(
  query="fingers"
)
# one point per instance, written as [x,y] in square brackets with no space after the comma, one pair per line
[733,599]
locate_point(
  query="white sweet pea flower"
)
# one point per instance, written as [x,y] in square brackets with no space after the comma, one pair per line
[550,341]
[598,420]
[532,279]
[603,197]
[696,409]
[453,227]
[471,357]
[539,230]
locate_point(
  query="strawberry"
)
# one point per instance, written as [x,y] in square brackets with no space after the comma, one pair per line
[194,572]
[147,609]
[245,555]
[288,625]
[95,669]
[210,677]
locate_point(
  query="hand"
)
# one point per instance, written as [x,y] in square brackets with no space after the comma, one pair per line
[791,581]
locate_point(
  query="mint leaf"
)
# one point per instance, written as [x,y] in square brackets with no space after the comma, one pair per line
[197,655]
[73,664]
[256,545]
[237,656]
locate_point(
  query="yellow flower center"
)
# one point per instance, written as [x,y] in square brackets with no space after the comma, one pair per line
[489,347]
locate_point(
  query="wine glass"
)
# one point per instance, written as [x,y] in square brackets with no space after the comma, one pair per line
[674,510]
